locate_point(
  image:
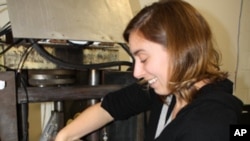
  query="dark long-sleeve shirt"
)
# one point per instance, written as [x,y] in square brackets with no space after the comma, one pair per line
[207,118]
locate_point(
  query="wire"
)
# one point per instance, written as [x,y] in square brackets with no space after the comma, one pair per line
[19,68]
[125,47]
[5,67]
[24,107]
[23,84]
[23,58]
[20,65]
[238,45]
[68,65]
[10,46]
[5,28]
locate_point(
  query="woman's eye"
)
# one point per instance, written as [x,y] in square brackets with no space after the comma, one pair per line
[143,60]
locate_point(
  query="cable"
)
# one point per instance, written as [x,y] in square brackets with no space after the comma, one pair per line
[24,111]
[24,106]
[10,46]
[125,47]
[5,28]
[23,58]
[5,67]
[238,45]
[65,64]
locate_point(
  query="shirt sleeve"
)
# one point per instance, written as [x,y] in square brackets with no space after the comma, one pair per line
[127,102]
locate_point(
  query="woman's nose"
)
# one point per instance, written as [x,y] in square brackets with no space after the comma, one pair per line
[138,70]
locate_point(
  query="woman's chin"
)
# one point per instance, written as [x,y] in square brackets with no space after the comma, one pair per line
[161,92]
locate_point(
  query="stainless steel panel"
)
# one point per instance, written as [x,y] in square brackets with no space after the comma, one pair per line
[92,20]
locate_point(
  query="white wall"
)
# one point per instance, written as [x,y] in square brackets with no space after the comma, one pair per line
[229,20]
[243,69]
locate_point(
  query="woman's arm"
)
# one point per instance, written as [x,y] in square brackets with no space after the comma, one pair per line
[94,117]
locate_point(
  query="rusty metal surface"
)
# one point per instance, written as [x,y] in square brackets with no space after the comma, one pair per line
[8,117]
[34,60]
[90,55]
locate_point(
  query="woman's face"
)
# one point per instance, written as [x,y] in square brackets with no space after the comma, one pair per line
[151,62]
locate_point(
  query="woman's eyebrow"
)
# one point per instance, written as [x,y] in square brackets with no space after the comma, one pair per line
[137,52]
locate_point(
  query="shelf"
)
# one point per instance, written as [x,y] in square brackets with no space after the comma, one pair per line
[45,94]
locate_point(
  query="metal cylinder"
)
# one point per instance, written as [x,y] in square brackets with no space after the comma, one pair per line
[94,80]
[58,106]
[94,77]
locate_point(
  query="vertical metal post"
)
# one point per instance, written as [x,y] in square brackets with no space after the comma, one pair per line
[94,80]
[24,123]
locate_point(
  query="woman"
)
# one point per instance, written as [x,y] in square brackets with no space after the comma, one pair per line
[189,97]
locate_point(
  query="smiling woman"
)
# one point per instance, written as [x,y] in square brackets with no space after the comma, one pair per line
[189,97]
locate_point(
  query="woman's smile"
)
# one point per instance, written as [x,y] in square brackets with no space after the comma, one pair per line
[152,81]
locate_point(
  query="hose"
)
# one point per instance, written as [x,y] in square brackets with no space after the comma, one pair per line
[68,65]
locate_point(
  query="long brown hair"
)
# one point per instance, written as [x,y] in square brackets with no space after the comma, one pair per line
[185,33]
